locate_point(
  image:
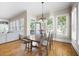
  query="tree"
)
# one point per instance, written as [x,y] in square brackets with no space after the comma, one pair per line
[32,26]
[49,23]
[62,23]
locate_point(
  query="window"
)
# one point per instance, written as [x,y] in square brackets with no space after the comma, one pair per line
[17,25]
[3,28]
[32,27]
[14,27]
[62,25]
[50,24]
[10,25]
[38,28]
[21,26]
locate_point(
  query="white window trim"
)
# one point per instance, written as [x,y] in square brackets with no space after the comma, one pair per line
[66,14]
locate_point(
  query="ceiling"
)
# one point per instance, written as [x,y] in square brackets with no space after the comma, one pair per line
[9,9]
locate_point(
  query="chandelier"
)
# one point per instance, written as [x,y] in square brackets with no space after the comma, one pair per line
[42,16]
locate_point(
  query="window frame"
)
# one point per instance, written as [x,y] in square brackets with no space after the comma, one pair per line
[67,24]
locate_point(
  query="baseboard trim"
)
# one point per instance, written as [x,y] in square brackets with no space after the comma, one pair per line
[70,43]
[75,48]
[61,40]
[9,42]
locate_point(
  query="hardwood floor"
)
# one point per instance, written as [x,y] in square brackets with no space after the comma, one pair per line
[16,48]
[62,49]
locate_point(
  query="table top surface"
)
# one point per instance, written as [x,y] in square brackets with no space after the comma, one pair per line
[36,37]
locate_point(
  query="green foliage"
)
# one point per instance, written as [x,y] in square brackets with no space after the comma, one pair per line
[32,24]
[62,23]
[62,20]
[49,21]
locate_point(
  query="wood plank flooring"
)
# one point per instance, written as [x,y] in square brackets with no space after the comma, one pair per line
[16,48]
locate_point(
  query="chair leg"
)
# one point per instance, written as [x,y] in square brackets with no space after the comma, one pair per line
[28,47]
[40,50]
[25,47]
[31,45]
[50,45]
[46,51]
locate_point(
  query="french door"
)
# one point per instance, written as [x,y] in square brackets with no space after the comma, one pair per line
[37,28]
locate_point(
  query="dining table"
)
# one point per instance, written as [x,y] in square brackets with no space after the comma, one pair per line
[36,38]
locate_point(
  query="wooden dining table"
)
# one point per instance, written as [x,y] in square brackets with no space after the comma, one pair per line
[38,39]
[34,38]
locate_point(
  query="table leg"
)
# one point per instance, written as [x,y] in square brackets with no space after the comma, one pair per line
[31,45]
[40,51]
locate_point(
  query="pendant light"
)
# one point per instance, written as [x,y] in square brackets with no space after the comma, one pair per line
[42,16]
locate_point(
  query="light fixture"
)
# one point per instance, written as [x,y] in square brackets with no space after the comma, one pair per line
[42,16]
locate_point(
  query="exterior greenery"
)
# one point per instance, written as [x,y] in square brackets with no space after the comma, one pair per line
[49,23]
[32,26]
[62,23]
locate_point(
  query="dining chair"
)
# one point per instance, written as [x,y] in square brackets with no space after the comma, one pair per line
[46,42]
[35,44]
[50,40]
[27,42]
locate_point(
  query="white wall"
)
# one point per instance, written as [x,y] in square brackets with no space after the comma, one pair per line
[75,40]
[78,25]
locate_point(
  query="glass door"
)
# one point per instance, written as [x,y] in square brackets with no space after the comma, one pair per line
[37,28]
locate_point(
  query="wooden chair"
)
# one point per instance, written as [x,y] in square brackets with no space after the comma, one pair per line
[50,40]
[46,42]
[35,45]
[27,43]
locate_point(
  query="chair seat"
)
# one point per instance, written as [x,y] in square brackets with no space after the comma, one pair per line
[34,49]
[44,42]
[25,39]
[34,43]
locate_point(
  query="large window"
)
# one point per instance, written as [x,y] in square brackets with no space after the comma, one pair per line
[14,26]
[11,26]
[50,24]
[44,26]
[17,25]
[3,27]
[62,25]
[32,26]
[22,26]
